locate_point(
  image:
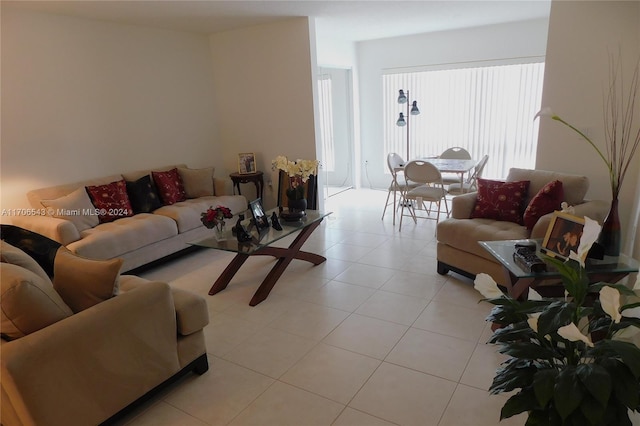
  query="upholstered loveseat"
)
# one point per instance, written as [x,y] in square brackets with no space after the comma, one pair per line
[75,354]
[162,223]
[458,249]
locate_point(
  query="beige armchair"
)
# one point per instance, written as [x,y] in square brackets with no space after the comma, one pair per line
[458,249]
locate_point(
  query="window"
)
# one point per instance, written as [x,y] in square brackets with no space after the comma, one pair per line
[486,110]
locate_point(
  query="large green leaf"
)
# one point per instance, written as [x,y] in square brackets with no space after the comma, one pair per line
[527,350]
[625,388]
[515,374]
[543,385]
[557,314]
[523,401]
[592,411]
[568,392]
[628,353]
[516,332]
[596,380]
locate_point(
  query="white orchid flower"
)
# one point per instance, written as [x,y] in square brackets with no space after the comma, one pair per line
[590,233]
[610,301]
[573,334]
[486,286]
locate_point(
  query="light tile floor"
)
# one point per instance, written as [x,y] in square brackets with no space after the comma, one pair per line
[374,336]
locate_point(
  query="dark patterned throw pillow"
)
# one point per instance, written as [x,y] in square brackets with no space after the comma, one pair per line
[143,195]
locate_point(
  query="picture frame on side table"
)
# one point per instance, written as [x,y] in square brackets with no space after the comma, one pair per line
[259,217]
[563,235]
[246,163]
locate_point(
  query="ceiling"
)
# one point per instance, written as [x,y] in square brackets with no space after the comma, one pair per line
[335,19]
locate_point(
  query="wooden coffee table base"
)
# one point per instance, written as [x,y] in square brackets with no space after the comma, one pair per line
[284,255]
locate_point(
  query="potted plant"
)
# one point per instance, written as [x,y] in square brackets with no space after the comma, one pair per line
[299,172]
[568,363]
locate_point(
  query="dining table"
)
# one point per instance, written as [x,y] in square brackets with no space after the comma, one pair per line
[450,165]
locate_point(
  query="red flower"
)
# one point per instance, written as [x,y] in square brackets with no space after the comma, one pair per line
[213,217]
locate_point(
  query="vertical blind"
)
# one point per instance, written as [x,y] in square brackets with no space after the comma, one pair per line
[326,123]
[486,110]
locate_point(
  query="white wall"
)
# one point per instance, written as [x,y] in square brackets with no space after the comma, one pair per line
[264,79]
[520,39]
[581,36]
[83,98]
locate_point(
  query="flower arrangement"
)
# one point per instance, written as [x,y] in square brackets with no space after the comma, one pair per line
[622,138]
[567,361]
[298,171]
[214,218]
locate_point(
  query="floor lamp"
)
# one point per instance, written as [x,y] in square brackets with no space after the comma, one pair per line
[412,109]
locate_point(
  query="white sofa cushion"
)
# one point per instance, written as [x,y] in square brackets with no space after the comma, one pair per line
[113,239]
[187,213]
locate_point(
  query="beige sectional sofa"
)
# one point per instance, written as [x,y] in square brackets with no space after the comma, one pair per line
[139,239]
[65,366]
[458,249]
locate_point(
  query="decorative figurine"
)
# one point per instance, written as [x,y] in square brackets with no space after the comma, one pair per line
[275,222]
[242,234]
[240,231]
[238,225]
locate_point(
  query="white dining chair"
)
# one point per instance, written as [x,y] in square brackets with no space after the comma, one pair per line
[471,184]
[431,189]
[395,163]
[457,153]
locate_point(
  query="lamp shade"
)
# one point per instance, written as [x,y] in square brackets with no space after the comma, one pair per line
[401,122]
[414,108]
[402,98]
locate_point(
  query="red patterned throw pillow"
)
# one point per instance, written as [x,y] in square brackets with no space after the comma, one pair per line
[547,200]
[500,200]
[170,186]
[111,201]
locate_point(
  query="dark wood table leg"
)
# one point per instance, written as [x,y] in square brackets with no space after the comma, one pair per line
[228,273]
[285,256]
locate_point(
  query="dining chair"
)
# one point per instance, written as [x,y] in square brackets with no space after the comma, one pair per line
[396,162]
[431,189]
[457,153]
[471,184]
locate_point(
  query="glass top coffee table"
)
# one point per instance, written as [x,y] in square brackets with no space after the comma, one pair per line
[519,281]
[261,245]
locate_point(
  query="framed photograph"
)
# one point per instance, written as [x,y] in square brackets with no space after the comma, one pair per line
[258,214]
[246,162]
[563,235]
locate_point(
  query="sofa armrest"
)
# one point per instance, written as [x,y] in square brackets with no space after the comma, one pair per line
[60,230]
[595,209]
[87,367]
[192,314]
[462,205]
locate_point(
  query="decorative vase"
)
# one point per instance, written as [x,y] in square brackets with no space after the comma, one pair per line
[609,237]
[220,231]
[295,211]
[299,205]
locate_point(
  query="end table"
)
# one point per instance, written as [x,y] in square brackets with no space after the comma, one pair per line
[255,178]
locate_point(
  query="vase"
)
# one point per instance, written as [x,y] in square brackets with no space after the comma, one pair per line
[610,235]
[295,211]
[299,205]
[220,230]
